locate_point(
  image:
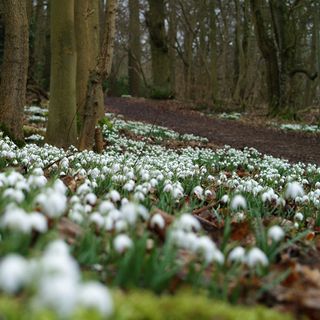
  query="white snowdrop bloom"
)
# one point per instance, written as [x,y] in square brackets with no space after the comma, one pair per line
[59,186]
[36,181]
[83,189]
[160,177]
[122,243]
[106,206]
[114,195]
[15,218]
[280,202]
[115,168]
[154,182]
[130,175]
[238,202]
[22,185]
[157,220]
[276,233]
[256,257]
[168,188]
[129,186]
[240,216]
[237,254]
[139,196]
[93,295]
[210,177]
[121,226]
[208,193]
[299,216]
[37,172]
[198,191]
[13,273]
[91,198]
[207,247]
[97,219]
[225,198]
[52,203]
[188,222]
[294,189]
[177,193]
[94,173]
[266,196]
[124,201]
[58,294]
[14,195]
[38,222]
[215,255]
[57,248]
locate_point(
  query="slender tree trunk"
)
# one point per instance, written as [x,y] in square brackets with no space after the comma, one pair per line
[213,51]
[134,48]
[172,34]
[96,77]
[14,68]
[62,130]
[159,47]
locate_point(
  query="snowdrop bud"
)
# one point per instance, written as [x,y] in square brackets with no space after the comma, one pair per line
[13,273]
[237,255]
[298,216]
[294,189]
[94,295]
[198,191]
[114,195]
[276,233]
[188,222]
[122,242]
[256,257]
[157,221]
[225,199]
[238,202]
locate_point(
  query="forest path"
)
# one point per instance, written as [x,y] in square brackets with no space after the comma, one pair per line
[294,146]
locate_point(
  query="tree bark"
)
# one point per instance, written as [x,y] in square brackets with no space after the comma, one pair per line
[134,48]
[14,68]
[102,70]
[155,19]
[62,130]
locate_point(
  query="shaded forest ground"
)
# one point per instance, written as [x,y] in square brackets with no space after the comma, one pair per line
[294,146]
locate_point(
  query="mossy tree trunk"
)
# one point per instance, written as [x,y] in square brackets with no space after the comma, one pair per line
[101,71]
[62,130]
[155,19]
[134,48]
[14,68]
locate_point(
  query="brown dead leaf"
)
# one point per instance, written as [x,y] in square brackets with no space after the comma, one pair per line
[69,230]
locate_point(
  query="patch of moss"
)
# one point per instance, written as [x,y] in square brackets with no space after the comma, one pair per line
[184,306]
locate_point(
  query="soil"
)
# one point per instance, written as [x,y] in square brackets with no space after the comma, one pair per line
[294,146]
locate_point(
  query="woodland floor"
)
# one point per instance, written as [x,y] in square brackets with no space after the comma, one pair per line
[294,146]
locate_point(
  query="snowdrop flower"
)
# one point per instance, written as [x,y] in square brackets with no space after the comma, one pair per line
[237,255]
[93,295]
[38,222]
[59,186]
[121,225]
[15,218]
[198,191]
[58,294]
[106,206]
[238,202]
[52,203]
[294,189]
[122,242]
[299,216]
[225,199]
[208,193]
[14,195]
[276,233]
[139,196]
[129,186]
[256,257]
[97,219]
[91,198]
[168,188]
[114,195]
[188,222]
[157,221]
[209,250]
[280,202]
[177,193]
[13,273]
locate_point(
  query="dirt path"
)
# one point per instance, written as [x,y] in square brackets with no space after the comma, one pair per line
[293,146]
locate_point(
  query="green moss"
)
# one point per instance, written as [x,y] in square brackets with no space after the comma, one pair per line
[143,305]
[138,305]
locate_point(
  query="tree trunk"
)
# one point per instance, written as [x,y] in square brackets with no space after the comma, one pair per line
[155,19]
[102,70]
[62,130]
[14,68]
[134,48]
[213,52]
